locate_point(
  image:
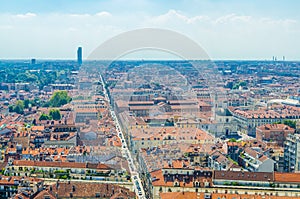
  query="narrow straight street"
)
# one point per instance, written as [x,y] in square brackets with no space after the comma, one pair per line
[138,187]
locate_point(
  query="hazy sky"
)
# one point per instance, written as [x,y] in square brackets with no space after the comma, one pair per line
[228,29]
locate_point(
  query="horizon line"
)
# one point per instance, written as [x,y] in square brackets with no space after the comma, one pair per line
[144,59]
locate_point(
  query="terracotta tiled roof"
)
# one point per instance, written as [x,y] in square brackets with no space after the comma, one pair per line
[181,195]
[287,177]
[256,155]
[174,132]
[21,195]
[247,196]
[194,195]
[159,180]
[134,103]
[58,164]
[275,127]
[243,176]
[90,190]
[43,194]
[37,128]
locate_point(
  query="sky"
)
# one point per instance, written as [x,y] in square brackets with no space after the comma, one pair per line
[225,29]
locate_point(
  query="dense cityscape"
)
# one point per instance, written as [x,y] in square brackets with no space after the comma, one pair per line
[148,99]
[150,129]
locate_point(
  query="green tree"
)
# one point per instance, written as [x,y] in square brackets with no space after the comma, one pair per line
[19,107]
[290,123]
[55,114]
[242,83]
[11,108]
[44,117]
[59,98]
[237,85]
[31,77]
[26,103]
[11,78]
[21,77]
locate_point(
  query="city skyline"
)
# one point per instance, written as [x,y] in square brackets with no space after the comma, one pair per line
[148,99]
[226,31]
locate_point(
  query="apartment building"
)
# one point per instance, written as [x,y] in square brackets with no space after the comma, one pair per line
[248,120]
[255,161]
[156,136]
[292,153]
[273,133]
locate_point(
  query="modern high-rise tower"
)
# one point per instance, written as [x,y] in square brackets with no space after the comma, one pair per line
[79,55]
[33,61]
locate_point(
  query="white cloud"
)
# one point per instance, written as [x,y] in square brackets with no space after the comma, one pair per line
[177,16]
[27,15]
[278,22]
[222,36]
[103,14]
[79,15]
[173,15]
[85,15]
[233,18]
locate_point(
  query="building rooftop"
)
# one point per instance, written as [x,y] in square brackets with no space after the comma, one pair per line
[243,176]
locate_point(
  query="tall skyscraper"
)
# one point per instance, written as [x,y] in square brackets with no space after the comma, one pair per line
[33,61]
[79,55]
